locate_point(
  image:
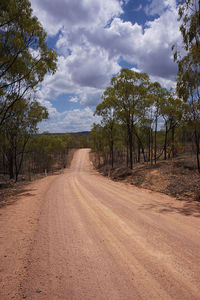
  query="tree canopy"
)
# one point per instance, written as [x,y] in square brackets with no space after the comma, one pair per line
[188,80]
[24,60]
[25,57]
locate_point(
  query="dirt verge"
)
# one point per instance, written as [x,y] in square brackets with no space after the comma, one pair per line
[174,178]
[9,188]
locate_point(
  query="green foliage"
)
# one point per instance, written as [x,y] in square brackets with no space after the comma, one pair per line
[16,133]
[25,57]
[24,61]
[190,16]
[130,92]
[97,138]
[188,81]
[130,112]
[79,140]
[107,110]
[49,149]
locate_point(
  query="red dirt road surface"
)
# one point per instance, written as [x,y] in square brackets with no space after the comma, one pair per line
[81,236]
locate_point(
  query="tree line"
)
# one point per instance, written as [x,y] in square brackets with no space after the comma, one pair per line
[36,154]
[25,59]
[141,118]
[133,112]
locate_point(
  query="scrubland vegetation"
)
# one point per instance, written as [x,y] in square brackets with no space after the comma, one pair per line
[144,122]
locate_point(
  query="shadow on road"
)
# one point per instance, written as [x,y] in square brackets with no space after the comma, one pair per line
[189,208]
[9,195]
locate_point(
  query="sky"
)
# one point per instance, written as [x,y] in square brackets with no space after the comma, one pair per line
[94,39]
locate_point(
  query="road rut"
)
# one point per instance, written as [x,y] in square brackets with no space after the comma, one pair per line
[98,239]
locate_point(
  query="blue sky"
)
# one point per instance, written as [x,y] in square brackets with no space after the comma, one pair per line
[94,39]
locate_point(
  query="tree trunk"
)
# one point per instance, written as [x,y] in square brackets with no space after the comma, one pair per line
[149,142]
[140,145]
[131,152]
[138,152]
[199,12]
[165,145]
[173,145]
[18,167]
[112,153]
[127,156]
[4,160]
[130,147]
[155,142]
[151,147]
[10,165]
[197,138]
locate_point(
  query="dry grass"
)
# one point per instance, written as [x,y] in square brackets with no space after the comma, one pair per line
[177,178]
[9,188]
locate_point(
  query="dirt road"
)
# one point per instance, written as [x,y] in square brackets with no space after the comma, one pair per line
[81,236]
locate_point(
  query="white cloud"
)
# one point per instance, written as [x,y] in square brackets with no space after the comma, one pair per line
[150,49]
[157,7]
[77,75]
[55,15]
[52,110]
[91,96]
[93,72]
[70,121]
[167,83]
[92,39]
[89,54]
[74,99]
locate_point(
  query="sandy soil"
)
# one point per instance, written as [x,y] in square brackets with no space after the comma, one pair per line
[79,235]
[177,178]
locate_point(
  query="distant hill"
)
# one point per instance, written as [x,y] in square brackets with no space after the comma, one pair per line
[80,133]
[72,133]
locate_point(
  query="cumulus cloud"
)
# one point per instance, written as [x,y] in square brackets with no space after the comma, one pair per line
[55,15]
[52,110]
[70,121]
[167,83]
[149,49]
[92,39]
[92,72]
[89,54]
[121,38]
[157,7]
[74,99]
[95,54]
[85,78]
[91,96]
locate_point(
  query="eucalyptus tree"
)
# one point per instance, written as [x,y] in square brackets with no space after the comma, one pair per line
[130,90]
[106,109]
[47,151]
[18,131]
[159,97]
[188,81]
[25,57]
[172,113]
[99,142]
